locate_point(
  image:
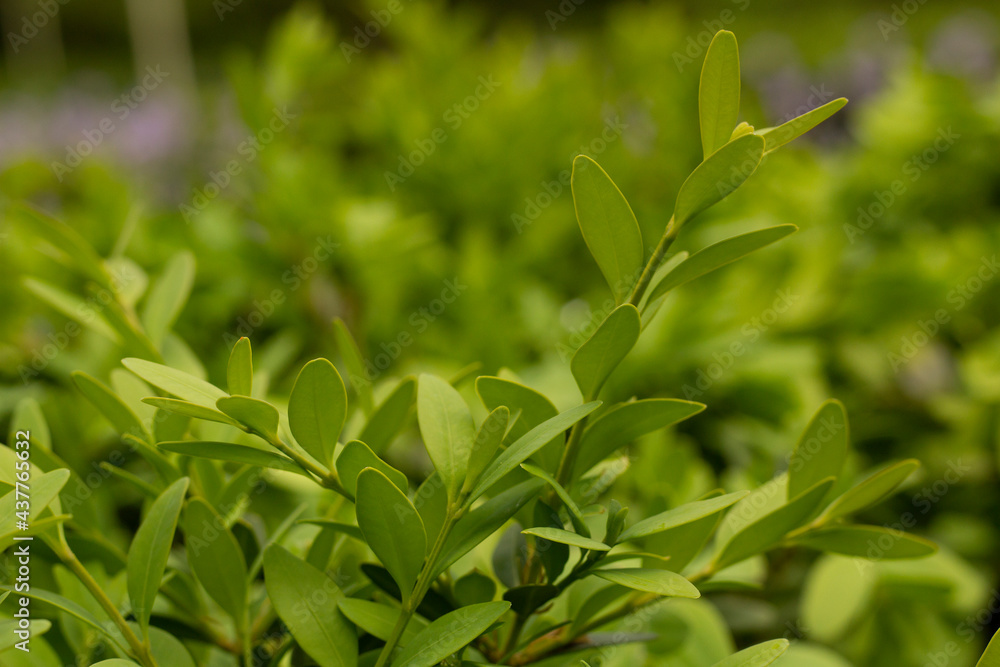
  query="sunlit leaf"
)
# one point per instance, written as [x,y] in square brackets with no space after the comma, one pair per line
[660,582]
[720,174]
[760,655]
[447,429]
[776,137]
[257,415]
[719,92]
[178,383]
[567,537]
[317,409]
[239,372]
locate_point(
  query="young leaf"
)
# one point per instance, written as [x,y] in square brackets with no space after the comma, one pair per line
[776,137]
[378,619]
[874,542]
[602,352]
[259,416]
[627,421]
[680,516]
[447,429]
[147,557]
[567,537]
[719,92]
[660,582]
[760,655]
[165,301]
[390,416]
[821,450]
[355,457]
[449,633]
[718,255]
[488,438]
[307,601]
[991,658]
[182,385]
[608,225]
[770,529]
[357,373]
[110,405]
[391,527]
[215,557]
[242,454]
[522,448]
[317,409]
[722,172]
[870,491]
[239,372]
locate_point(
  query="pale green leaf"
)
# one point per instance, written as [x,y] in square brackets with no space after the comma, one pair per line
[317,409]
[680,516]
[226,451]
[168,296]
[178,383]
[86,313]
[447,429]
[187,409]
[356,371]
[991,658]
[660,582]
[720,174]
[760,655]
[608,225]
[379,619]
[603,351]
[566,537]
[872,542]
[821,450]
[448,634]
[871,490]
[259,416]
[776,137]
[110,405]
[390,416]
[719,92]
[239,372]
[575,516]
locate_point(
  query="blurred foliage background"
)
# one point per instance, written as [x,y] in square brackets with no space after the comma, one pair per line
[414,182]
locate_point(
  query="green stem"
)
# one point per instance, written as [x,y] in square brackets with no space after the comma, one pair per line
[139,649]
[654,263]
[424,581]
[326,478]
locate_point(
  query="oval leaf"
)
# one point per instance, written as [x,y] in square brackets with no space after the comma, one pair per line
[722,172]
[567,537]
[355,457]
[317,409]
[239,372]
[215,557]
[447,429]
[608,225]
[449,634]
[259,416]
[719,92]
[660,582]
[602,352]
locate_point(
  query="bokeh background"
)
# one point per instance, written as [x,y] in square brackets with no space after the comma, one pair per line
[372,160]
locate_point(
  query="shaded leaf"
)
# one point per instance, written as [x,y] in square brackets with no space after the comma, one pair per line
[215,558]
[225,451]
[356,371]
[488,439]
[603,351]
[390,416]
[168,296]
[110,405]
[871,490]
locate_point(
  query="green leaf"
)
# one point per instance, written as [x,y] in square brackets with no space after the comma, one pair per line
[259,416]
[660,582]
[168,650]
[719,92]
[308,602]
[175,382]
[525,599]
[722,172]
[447,429]
[991,658]
[870,491]
[147,557]
[187,409]
[776,137]
[73,609]
[168,296]
[390,416]
[718,255]
[44,490]
[116,662]
[378,619]
[821,450]
[73,307]
[567,537]
[872,542]
[488,439]
[449,634]
[483,521]
[110,405]
[767,531]
[356,371]
[226,451]
[215,558]
[317,409]
[528,409]
[575,516]
[355,457]
[608,225]
[602,352]
[74,248]
[391,527]
[680,516]
[760,655]
[626,422]
[837,594]
[239,372]
[521,449]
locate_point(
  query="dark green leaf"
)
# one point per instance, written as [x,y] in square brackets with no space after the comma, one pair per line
[528,408]
[215,558]
[355,457]
[991,658]
[390,416]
